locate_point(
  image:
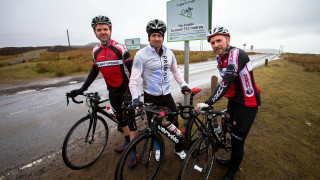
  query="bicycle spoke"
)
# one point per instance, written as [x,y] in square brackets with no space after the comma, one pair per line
[79,150]
[147,166]
[199,161]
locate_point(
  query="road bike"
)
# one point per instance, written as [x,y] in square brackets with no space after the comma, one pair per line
[212,141]
[87,138]
[187,12]
[143,144]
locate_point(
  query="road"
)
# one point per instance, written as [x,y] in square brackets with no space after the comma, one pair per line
[33,124]
[30,55]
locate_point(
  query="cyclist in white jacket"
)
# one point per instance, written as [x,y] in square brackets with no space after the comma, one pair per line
[153,64]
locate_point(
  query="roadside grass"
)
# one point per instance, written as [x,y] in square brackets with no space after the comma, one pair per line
[284,140]
[78,61]
[20,72]
[310,62]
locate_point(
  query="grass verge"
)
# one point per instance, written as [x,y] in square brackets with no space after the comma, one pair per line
[284,140]
[77,61]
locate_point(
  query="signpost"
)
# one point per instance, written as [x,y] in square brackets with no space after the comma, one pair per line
[133,44]
[188,20]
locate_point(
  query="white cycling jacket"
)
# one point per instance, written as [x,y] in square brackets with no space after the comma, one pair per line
[154,70]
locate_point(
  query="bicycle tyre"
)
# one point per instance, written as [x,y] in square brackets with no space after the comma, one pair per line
[199,160]
[194,127]
[77,153]
[147,167]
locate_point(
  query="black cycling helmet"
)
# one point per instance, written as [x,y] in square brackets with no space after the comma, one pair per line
[157,25]
[218,31]
[100,20]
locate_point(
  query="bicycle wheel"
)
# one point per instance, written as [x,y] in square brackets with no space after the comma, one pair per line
[79,151]
[194,127]
[199,161]
[147,167]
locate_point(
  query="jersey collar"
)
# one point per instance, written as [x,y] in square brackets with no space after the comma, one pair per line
[226,53]
[106,45]
[153,49]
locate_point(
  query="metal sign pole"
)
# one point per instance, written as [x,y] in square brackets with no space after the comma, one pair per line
[186,67]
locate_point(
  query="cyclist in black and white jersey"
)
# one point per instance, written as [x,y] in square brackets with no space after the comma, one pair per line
[239,87]
[153,64]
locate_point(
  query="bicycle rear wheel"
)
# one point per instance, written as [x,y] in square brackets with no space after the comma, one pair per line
[199,161]
[80,151]
[147,167]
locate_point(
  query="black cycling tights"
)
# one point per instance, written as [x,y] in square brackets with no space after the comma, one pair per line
[241,120]
[166,101]
[116,100]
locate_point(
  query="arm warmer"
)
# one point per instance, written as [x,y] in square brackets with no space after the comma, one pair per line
[91,77]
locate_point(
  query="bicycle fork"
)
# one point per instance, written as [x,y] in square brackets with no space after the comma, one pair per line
[144,149]
[91,128]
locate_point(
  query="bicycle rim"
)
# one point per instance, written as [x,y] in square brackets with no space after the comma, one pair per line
[199,161]
[194,127]
[79,152]
[147,167]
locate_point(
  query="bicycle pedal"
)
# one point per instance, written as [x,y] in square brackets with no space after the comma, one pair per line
[196,167]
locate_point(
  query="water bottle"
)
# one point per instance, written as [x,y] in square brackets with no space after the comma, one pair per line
[175,130]
[217,129]
[109,110]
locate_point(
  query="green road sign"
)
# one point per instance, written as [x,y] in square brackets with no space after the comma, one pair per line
[133,44]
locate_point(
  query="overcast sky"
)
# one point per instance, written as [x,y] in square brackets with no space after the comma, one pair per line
[265,24]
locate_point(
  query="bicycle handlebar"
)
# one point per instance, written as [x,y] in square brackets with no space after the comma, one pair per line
[93,96]
[68,95]
[210,110]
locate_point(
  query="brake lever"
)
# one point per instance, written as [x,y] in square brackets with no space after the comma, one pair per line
[67,97]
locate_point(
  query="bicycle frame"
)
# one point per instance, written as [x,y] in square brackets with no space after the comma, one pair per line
[219,139]
[93,101]
[156,121]
[155,125]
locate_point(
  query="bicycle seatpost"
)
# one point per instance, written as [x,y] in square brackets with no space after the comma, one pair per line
[194,91]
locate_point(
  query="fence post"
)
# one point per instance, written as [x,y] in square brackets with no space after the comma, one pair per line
[266,62]
[214,82]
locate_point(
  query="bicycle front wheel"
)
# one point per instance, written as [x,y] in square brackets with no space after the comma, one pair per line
[146,167]
[194,127]
[81,147]
[199,161]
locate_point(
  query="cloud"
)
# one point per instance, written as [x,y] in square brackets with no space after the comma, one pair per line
[265,24]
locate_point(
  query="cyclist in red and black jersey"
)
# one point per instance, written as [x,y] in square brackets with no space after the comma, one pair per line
[114,61]
[239,87]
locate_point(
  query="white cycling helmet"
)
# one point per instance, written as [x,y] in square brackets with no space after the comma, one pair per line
[217,31]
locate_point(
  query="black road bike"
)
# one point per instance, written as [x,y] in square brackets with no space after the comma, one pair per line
[87,138]
[212,142]
[148,167]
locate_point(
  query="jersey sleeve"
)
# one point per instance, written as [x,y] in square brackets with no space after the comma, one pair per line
[128,60]
[230,74]
[176,72]
[136,71]
[94,61]
[91,77]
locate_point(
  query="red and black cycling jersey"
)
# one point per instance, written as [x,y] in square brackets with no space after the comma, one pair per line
[110,60]
[237,79]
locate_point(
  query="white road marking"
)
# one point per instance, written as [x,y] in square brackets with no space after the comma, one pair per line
[21,111]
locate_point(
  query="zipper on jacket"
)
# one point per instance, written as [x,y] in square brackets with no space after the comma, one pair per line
[161,75]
